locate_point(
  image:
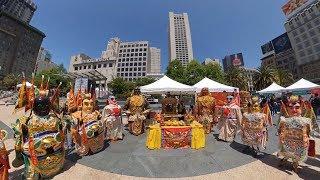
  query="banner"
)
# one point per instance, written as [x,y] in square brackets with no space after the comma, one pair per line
[176,137]
[294,6]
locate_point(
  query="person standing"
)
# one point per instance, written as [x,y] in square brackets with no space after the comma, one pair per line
[315,102]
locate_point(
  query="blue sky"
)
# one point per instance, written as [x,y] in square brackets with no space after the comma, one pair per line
[218,27]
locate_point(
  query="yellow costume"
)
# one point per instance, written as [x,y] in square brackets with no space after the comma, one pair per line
[205,109]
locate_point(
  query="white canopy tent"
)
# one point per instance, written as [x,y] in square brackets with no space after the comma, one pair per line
[27,84]
[273,88]
[213,86]
[302,85]
[165,84]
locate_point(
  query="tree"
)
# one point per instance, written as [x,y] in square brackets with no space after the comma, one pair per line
[265,77]
[214,71]
[56,76]
[143,81]
[10,81]
[236,77]
[121,88]
[175,71]
[284,77]
[193,73]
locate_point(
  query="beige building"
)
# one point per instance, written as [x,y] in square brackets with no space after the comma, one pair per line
[212,61]
[128,60]
[180,44]
[250,73]
[303,28]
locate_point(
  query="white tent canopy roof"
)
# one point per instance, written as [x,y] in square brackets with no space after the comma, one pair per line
[165,84]
[301,85]
[27,84]
[273,88]
[213,86]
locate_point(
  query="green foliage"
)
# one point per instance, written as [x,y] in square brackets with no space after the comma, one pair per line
[214,71]
[194,72]
[265,77]
[175,70]
[9,81]
[56,75]
[284,77]
[123,89]
[236,77]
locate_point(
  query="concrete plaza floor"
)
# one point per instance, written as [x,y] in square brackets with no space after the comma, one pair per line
[129,159]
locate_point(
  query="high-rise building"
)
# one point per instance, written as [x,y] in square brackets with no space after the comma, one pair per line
[278,53]
[21,9]
[19,47]
[128,60]
[154,67]
[180,44]
[211,61]
[303,28]
[44,60]
[250,73]
[234,60]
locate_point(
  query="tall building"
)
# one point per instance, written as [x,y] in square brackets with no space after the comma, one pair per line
[128,60]
[180,44]
[21,9]
[211,61]
[234,60]
[250,73]
[44,61]
[278,53]
[154,67]
[19,47]
[303,28]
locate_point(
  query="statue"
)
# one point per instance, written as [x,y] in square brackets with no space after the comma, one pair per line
[205,109]
[136,108]
[87,128]
[39,137]
[112,116]
[244,101]
[4,159]
[169,105]
[254,132]
[230,120]
[294,134]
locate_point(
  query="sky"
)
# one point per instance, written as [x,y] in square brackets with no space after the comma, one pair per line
[218,27]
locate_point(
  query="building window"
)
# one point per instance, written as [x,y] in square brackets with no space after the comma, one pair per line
[104,65]
[143,74]
[99,65]
[89,66]
[136,54]
[80,67]
[110,64]
[94,67]
[122,69]
[144,69]
[140,54]
[136,50]
[84,67]
[144,54]
[76,68]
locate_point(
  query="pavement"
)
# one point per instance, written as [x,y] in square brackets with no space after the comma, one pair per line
[130,159]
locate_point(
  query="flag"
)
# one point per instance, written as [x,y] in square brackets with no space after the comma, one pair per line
[71,99]
[22,96]
[79,98]
[30,95]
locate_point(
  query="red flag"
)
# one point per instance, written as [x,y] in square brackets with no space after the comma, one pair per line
[32,152]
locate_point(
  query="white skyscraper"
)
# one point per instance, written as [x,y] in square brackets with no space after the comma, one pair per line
[180,44]
[154,66]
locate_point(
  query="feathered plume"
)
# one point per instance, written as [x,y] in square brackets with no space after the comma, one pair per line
[22,97]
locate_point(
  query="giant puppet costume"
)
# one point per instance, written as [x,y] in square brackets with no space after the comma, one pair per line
[254,124]
[4,159]
[39,137]
[111,114]
[230,120]
[205,109]
[294,134]
[87,128]
[136,108]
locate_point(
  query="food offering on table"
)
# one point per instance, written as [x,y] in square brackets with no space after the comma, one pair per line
[174,122]
[136,107]
[39,137]
[204,110]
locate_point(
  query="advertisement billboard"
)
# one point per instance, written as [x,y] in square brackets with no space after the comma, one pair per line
[281,43]
[268,47]
[294,6]
[234,60]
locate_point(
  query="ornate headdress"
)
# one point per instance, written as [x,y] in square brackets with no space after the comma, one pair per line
[255,106]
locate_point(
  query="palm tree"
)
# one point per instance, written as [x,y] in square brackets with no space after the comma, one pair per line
[236,77]
[265,77]
[285,78]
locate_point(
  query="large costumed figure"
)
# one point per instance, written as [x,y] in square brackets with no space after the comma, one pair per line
[39,137]
[136,108]
[205,109]
[294,134]
[111,114]
[254,124]
[87,128]
[4,159]
[230,120]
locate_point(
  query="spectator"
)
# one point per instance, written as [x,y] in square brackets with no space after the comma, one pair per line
[315,102]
